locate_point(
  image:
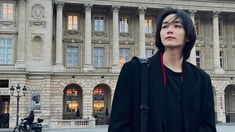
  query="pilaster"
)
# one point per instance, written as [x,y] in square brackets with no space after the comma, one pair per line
[59,36]
[87,61]
[21,42]
[141,31]
[115,64]
[216,47]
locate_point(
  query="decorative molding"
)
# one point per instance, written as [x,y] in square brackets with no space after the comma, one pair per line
[72,40]
[125,34]
[115,8]
[88,6]
[72,32]
[216,13]
[142,10]
[7,23]
[38,11]
[149,35]
[192,12]
[37,23]
[99,34]
[22,2]
[59,4]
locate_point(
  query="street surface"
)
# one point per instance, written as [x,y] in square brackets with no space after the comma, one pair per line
[220,128]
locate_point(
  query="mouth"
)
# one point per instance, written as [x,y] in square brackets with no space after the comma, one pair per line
[169,38]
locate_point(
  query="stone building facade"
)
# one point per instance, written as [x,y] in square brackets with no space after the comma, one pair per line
[68,54]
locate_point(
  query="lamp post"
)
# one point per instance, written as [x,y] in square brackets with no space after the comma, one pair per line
[17,88]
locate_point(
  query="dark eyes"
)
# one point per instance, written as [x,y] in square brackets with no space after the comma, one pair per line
[176,26]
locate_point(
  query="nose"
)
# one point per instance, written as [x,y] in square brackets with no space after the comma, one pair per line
[169,29]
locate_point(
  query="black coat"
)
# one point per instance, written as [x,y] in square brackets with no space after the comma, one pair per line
[197,96]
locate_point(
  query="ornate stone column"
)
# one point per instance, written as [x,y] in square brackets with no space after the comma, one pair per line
[20,60]
[59,36]
[87,61]
[216,47]
[192,58]
[141,32]
[115,65]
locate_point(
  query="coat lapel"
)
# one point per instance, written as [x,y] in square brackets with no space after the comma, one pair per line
[190,92]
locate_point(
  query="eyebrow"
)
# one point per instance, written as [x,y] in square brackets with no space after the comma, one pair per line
[174,21]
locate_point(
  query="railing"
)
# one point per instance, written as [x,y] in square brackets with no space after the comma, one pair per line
[78,123]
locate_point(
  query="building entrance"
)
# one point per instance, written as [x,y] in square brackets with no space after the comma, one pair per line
[4,111]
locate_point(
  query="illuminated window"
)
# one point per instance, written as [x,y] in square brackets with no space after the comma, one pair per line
[123,23]
[148,26]
[72,92]
[72,106]
[72,22]
[124,55]
[7,11]
[98,104]
[99,24]
[6,51]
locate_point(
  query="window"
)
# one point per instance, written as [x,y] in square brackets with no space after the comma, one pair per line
[6,51]
[4,83]
[198,60]
[149,52]
[7,11]
[220,27]
[148,26]
[123,25]
[72,22]
[99,95]
[72,57]
[124,55]
[99,24]
[221,58]
[98,57]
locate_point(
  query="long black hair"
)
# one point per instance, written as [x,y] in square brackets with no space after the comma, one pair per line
[190,33]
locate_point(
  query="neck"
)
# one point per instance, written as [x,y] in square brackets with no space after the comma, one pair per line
[173,59]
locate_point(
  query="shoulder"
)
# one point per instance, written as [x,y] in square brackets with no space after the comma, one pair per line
[198,71]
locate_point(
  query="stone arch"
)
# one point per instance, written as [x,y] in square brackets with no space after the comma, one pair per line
[230,103]
[72,101]
[37,46]
[101,103]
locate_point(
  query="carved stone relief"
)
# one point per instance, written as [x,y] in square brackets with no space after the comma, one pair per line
[38,13]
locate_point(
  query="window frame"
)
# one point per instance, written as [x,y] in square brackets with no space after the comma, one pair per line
[126,25]
[104,57]
[152,28]
[94,22]
[78,55]
[13,10]
[72,13]
[13,51]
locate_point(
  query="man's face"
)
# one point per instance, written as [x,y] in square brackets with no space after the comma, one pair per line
[172,32]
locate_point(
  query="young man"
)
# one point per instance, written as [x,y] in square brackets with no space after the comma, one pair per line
[180,96]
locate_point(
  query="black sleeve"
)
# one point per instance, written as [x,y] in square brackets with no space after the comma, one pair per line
[208,120]
[120,120]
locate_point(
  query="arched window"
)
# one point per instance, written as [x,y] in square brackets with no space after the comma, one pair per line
[72,102]
[101,103]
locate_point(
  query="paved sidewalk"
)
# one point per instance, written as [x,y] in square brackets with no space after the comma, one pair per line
[229,127]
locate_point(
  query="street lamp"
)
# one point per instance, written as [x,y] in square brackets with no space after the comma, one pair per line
[17,88]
